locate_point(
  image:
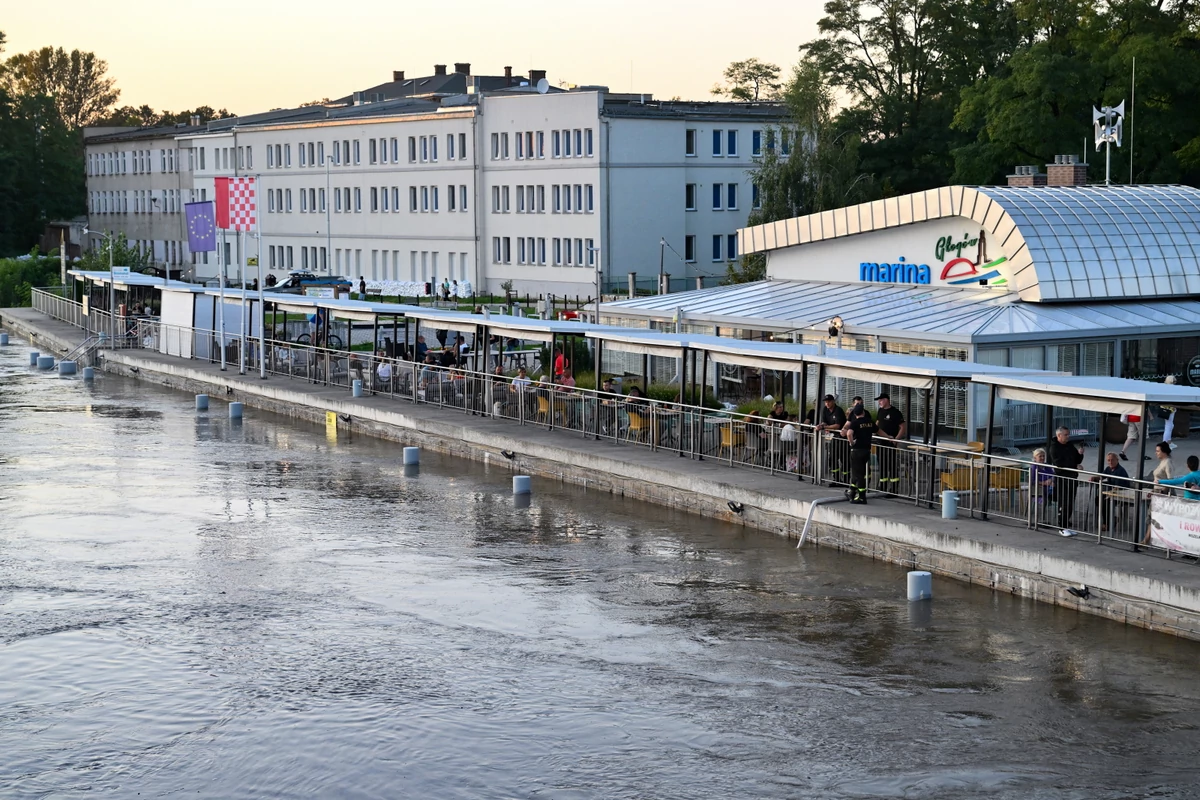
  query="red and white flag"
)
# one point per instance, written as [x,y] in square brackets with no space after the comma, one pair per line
[237,203]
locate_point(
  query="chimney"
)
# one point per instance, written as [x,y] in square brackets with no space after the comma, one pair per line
[397,75]
[536,75]
[1066,171]
[462,69]
[508,76]
[195,119]
[358,98]
[439,69]
[1027,176]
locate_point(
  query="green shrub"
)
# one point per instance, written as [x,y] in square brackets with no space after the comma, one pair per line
[19,276]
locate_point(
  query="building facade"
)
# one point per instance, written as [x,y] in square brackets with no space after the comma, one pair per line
[547,189]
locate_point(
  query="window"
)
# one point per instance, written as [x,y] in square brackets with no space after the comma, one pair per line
[433,140]
[521,154]
[395,198]
[717,137]
[755,199]
[520,199]
[566,198]
[590,246]
[412,149]
[718,192]
[689,197]
[303,202]
[495,247]
[541,144]
[287,162]
[521,250]
[495,149]
[346,192]
[731,246]
[270,164]
[784,146]
[337,200]
[288,195]
[689,249]
[557,143]
[451,198]
[424,198]
[357,158]
[541,242]
[557,193]
[529,144]
[450,148]
[372,154]
[756,143]
[321,194]
[506,195]
[412,198]
[357,200]
[433,198]
[312,154]
[374,200]
[541,199]
[462,197]
[731,143]
[718,247]
[578,199]
[395,151]
[567,154]
[558,252]
[383,151]
[495,199]
[731,192]
[303,155]
[568,253]
[383,199]
[424,148]
[504,145]
[590,143]
[462,146]
[320,154]
[507,250]
[689,142]
[578,143]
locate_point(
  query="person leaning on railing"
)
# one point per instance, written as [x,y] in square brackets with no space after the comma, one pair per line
[1041,479]
[1066,459]
[833,419]
[891,428]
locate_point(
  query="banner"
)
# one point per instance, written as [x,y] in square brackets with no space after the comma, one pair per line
[237,205]
[202,227]
[1175,523]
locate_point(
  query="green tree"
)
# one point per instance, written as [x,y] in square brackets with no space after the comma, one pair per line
[77,81]
[19,275]
[750,80]
[123,255]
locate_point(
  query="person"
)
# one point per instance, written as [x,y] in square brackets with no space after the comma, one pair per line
[1190,481]
[422,349]
[1169,411]
[1066,459]
[428,371]
[445,292]
[789,439]
[1112,477]
[362,288]
[892,428]
[566,383]
[779,419]
[519,388]
[454,288]
[440,335]
[1132,435]
[635,398]
[608,405]
[560,363]
[1165,469]
[383,372]
[463,347]
[856,402]
[757,438]
[495,397]
[833,419]
[449,357]
[778,412]
[860,430]
[1041,478]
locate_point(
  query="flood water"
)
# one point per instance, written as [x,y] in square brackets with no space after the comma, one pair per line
[191,607]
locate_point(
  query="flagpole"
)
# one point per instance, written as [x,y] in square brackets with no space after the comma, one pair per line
[221,261]
[262,308]
[242,313]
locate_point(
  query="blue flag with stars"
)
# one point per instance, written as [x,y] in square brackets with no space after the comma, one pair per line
[202,226]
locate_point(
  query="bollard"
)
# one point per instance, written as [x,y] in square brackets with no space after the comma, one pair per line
[949,504]
[412,470]
[235,410]
[920,586]
[33,357]
[522,484]
[3,339]
[45,362]
[89,374]
[66,368]
[356,388]
[202,402]
[412,456]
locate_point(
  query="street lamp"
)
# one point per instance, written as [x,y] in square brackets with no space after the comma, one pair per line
[328,204]
[112,287]
[599,275]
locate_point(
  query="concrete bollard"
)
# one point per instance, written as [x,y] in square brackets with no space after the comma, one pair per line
[522,484]
[45,362]
[33,357]
[920,586]
[949,504]
[66,368]
[235,410]
[412,470]
[89,374]
[412,456]
[356,388]
[3,339]
[202,402]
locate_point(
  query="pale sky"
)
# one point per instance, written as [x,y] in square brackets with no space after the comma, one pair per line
[253,55]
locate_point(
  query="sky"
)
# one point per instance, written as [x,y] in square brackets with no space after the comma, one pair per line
[255,55]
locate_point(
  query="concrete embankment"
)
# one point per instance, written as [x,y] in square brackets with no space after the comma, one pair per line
[1137,589]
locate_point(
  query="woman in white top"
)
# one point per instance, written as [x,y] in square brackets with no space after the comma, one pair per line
[1165,468]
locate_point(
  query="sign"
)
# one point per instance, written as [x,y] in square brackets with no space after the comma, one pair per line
[957,269]
[1193,371]
[120,272]
[326,292]
[86,305]
[1175,523]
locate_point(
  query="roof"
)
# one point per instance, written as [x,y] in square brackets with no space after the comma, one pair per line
[136,279]
[1090,392]
[1063,242]
[952,315]
[622,107]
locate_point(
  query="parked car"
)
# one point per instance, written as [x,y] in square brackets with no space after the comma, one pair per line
[300,282]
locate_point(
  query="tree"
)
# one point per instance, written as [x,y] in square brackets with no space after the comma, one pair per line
[750,80]
[324,101]
[123,255]
[77,81]
[147,117]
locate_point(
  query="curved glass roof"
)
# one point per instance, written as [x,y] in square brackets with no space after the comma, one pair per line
[1063,242]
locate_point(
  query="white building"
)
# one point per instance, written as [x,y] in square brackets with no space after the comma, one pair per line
[496,183]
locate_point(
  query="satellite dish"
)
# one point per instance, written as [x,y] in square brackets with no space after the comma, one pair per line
[543,86]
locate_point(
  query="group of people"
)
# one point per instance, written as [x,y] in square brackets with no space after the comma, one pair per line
[863,431]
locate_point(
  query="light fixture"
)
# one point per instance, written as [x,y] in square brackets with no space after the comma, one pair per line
[835,326]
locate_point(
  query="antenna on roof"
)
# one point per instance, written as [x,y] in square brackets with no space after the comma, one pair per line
[543,86]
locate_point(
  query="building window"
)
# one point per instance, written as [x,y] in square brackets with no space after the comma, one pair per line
[270,157]
[556,140]
[424,198]
[521,154]
[288,195]
[689,197]
[717,141]
[396,199]
[424,148]
[718,191]
[520,247]
[591,199]
[337,200]
[556,191]
[433,156]
[412,198]
[451,198]
[566,198]
[495,199]
[689,142]
[557,246]
[507,250]
[755,198]
[541,144]
[504,146]
[374,200]
[591,149]
[567,154]
[450,148]
[357,154]
[578,143]
[541,199]
[371,153]
[412,149]
[383,198]
[731,143]
[357,200]
[462,146]
[756,143]
[731,197]
[321,194]
[462,197]
[303,202]
[433,199]
[395,151]
[383,151]
[689,249]
[578,199]
[718,247]
[731,246]
[495,247]
[346,192]
[505,193]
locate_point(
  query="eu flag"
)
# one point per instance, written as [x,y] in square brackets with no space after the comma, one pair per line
[202,226]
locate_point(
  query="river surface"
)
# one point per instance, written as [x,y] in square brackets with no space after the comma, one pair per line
[194,607]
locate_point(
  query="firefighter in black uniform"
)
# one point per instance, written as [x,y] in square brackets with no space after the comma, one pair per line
[833,419]
[891,429]
[860,430]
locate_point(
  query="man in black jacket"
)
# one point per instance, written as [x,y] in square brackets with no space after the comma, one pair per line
[860,430]
[833,418]
[1066,459]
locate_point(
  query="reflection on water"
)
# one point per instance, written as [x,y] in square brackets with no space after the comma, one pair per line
[190,606]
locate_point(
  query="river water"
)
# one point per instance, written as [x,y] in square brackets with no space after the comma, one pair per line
[193,607]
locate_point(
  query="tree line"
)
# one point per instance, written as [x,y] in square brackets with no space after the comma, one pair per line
[47,97]
[898,96]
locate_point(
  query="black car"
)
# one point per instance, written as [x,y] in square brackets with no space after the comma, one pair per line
[299,282]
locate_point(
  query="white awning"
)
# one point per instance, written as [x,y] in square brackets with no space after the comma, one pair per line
[1090,392]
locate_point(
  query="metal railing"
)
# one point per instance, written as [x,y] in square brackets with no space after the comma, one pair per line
[1102,508]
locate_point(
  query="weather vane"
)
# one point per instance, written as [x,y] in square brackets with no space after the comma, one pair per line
[1108,121]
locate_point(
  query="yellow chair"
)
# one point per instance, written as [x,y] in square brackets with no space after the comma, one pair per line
[960,480]
[543,409]
[639,426]
[732,437]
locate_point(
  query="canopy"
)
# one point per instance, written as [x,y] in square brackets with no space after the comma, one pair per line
[1089,392]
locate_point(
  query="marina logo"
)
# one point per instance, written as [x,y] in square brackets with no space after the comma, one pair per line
[947,246]
[962,270]
[899,272]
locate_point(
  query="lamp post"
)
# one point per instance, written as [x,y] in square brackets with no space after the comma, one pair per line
[112,287]
[599,275]
[328,204]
